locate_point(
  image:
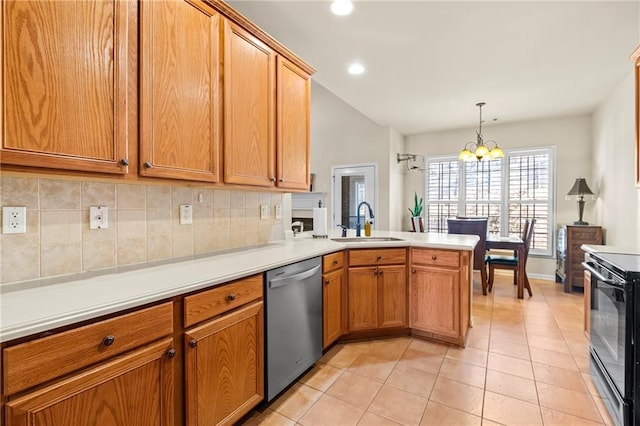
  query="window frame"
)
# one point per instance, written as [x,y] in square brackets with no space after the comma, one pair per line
[504,201]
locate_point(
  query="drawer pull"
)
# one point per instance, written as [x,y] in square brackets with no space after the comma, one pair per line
[108,341]
[171,353]
[193,343]
[335,262]
[379,258]
[434,257]
[231,297]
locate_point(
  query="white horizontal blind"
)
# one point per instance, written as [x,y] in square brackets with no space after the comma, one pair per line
[508,191]
[442,193]
[531,196]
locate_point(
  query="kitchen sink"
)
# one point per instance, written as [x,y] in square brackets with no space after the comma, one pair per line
[366,239]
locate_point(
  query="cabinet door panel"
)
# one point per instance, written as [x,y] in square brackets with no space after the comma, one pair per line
[294,100]
[249,109]
[65,86]
[224,373]
[180,105]
[435,304]
[143,378]
[331,307]
[363,299]
[392,296]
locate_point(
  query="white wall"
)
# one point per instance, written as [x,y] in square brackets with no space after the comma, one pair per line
[618,203]
[396,181]
[342,135]
[571,136]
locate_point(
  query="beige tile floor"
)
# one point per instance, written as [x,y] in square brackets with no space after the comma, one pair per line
[525,363]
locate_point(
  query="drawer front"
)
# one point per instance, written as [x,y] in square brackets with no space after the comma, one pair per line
[432,257]
[333,261]
[39,360]
[209,303]
[377,257]
[586,235]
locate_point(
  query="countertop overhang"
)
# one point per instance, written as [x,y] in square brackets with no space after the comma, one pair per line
[42,306]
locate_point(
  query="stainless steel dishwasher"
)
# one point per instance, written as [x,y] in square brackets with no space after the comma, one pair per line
[293,323]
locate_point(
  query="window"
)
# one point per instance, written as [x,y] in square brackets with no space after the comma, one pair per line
[507,190]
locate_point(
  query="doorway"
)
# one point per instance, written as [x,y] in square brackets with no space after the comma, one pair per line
[353,184]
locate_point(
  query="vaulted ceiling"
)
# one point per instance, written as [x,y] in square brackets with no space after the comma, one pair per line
[429,62]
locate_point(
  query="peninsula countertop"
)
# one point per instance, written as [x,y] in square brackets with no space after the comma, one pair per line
[32,307]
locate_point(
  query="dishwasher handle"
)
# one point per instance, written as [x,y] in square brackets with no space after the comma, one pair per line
[290,279]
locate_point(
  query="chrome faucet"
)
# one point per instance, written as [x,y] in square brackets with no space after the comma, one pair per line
[358,212]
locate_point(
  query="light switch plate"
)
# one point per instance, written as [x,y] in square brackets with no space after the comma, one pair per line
[98,217]
[264,211]
[278,211]
[14,220]
[186,214]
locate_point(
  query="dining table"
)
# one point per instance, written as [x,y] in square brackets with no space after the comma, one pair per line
[516,244]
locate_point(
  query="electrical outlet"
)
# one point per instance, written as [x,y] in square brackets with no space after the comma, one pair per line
[264,211]
[186,214]
[278,211]
[98,217]
[14,220]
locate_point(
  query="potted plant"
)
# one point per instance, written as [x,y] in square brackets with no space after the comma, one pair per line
[416,214]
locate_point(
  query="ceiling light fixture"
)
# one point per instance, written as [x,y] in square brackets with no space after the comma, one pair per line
[480,150]
[341,7]
[356,69]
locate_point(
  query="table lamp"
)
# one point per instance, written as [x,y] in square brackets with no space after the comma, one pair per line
[579,190]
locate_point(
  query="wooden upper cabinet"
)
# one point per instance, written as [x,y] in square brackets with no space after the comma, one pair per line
[293,126]
[249,109]
[67,66]
[180,107]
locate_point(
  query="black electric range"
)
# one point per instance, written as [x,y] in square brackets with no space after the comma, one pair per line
[615,330]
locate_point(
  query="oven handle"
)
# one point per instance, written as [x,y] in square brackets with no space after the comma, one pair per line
[599,276]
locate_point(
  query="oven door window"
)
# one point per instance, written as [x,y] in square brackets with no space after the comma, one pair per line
[608,330]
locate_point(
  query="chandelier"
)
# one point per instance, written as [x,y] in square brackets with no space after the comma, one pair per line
[480,150]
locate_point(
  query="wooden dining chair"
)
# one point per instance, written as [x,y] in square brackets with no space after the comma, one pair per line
[511,262]
[474,226]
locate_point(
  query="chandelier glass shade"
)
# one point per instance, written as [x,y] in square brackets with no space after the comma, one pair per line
[480,150]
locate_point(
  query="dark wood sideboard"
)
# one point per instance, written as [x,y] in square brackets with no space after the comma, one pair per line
[570,256]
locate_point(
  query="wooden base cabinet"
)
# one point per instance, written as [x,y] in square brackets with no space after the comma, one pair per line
[84,375]
[439,294]
[224,356]
[333,290]
[143,378]
[377,294]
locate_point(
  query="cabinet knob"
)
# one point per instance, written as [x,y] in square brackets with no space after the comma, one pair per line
[413,271]
[193,343]
[147,164]
[231,297]
[171,353]
[124,162]
[272,179]
[335,262]
[381,272]
[379,258]
[434,257]
[108,341]
[326,281]
[281,180]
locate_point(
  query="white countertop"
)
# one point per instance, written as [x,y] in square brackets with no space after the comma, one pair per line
[593,248]
[42,306]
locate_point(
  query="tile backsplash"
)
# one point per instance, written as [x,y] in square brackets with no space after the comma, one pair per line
[143,224]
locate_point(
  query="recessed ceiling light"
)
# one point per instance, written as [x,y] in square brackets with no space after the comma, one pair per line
[356,69]
[341,7]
